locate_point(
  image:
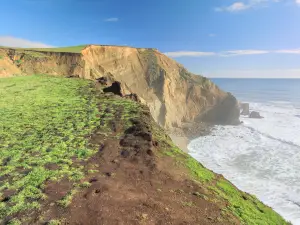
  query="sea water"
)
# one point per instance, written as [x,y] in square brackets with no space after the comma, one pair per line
[261,156]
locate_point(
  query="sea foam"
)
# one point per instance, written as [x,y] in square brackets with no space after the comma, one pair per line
[261,156]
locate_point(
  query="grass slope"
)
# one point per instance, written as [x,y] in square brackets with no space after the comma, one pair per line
[71,49]
[47,120]
[43,120]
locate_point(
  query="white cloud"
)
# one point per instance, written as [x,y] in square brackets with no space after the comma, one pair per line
[212,35]
[237,6]
[230,53]
[243,52]
[289,51]
[113,19]
[297,2]
[244,5]
[188,54]
[9,41]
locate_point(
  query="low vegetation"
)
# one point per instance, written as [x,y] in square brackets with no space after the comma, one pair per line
[44,120]
[153,69]
[247,207]
[71,49]
[116,109]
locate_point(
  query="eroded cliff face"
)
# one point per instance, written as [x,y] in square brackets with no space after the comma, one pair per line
[173,95]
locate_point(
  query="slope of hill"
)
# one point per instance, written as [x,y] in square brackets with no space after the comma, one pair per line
[174,95]
[73,153]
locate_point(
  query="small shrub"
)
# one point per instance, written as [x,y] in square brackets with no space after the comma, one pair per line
[54,222]
[14,222]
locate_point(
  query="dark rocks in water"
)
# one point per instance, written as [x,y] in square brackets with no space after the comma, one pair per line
[245,109]
[255,115]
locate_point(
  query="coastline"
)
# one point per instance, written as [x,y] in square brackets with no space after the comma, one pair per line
[183,136]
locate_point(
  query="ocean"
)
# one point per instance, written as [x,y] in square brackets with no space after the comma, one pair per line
[261,156]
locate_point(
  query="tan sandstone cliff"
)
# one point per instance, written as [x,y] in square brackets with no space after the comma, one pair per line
[173,95]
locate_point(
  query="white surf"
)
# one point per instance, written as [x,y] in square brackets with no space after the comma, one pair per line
[261,156]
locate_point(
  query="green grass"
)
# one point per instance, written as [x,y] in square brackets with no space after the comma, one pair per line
[247,207]
[14,222]
[115,108]
[68,198]
[199,171]
[43,120]
[71,49]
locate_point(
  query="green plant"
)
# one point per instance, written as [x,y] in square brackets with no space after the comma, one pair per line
[199,171]
[14,222]
[67,199]
[247,207]
[54,222]
[85,185]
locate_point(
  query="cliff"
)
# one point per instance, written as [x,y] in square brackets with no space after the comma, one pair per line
[174,95]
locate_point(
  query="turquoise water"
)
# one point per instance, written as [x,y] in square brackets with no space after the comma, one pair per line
[261,156]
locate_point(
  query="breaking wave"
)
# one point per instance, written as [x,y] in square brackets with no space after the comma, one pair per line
[261,156]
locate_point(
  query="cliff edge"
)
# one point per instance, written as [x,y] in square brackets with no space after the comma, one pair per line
[174,95]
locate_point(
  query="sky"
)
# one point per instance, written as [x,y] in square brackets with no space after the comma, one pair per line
[214,38]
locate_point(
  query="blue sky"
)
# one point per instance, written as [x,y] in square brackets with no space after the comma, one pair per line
[216,38]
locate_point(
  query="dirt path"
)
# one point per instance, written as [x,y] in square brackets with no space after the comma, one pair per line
[135,184]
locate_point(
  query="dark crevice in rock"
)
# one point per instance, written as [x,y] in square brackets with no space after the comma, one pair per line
[114,88]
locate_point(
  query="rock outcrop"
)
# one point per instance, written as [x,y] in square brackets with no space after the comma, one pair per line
[245,109]
[255,115]
[173,94]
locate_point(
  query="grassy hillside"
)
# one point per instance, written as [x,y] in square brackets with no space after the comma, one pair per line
[44,121]
[66,134]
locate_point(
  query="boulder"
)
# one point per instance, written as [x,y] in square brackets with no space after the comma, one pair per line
[255,115]
[244,107]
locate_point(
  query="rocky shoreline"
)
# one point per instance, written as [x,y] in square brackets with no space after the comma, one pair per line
[189,131]
[183,136]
